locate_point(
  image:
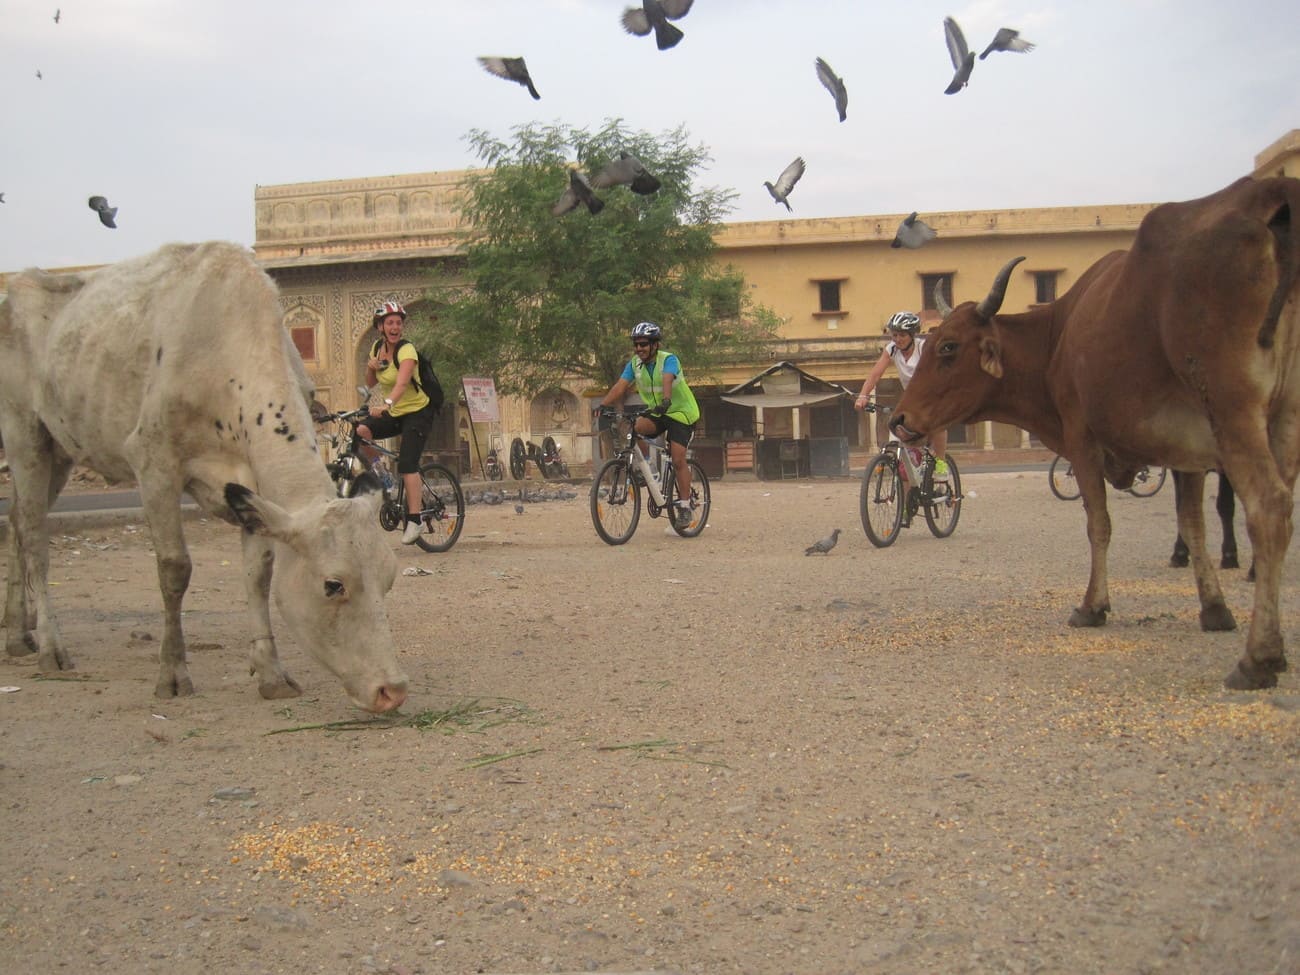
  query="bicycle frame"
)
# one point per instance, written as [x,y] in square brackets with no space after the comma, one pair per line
[652,473]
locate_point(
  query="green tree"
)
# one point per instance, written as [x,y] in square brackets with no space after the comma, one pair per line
[540,298]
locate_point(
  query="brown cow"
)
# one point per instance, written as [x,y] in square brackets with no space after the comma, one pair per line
[1183,351]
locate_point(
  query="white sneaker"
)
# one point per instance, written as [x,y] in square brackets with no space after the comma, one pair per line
[412,532]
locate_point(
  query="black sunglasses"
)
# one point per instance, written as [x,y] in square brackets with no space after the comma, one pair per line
[641,345]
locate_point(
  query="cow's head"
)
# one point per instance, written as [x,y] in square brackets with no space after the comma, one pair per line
[960,364]
[332,572]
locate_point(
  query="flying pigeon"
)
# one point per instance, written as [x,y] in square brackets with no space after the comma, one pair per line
[835,85]
[626,170]
[824,546]
[785,182]
[1007,39]
[654,15]
[912,233]
[39,76]
[512,69]
[57,14]
[2,197]
[962,58]
[106,212]
[577,192]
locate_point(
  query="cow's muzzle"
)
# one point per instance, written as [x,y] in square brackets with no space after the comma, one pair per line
[899,428]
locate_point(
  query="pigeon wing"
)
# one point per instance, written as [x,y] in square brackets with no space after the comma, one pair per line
[636,22]
[835,85]
[956,40]
[106,216]
[673,9]
[789,176]
[618,172]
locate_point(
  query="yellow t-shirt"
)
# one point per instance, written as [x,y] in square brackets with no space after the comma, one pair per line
[413,400]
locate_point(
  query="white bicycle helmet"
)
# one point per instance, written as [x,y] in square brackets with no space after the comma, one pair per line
[390,307]
[904,321]
[646,330]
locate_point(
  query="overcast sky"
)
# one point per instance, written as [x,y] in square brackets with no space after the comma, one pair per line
[176,110]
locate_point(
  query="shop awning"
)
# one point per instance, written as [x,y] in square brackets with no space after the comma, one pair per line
[782,386]
[776,401]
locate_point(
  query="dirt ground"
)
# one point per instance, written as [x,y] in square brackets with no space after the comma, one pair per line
[691,756]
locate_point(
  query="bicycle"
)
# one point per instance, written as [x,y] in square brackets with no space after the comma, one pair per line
[887,506]
[442,501]
[1060,478]
[616,489]
[492,468]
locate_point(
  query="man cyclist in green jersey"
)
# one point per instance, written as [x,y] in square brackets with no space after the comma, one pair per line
[670,404]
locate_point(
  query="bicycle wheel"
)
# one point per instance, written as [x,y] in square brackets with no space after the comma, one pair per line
[615,502]
[701,500]
[518,459]
[1148,481]
[442,508]
[881,501]
[944,506]
[1060,478]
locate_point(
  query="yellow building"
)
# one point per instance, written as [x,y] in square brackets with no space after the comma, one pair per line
[338,248]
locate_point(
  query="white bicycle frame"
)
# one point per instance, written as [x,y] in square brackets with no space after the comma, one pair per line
[651,473]
[912,467]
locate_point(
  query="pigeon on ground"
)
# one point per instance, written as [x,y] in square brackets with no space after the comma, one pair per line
[835,85]
[577,192]
[512,69]
[1007,39]
[824,546]
[912,233]
[963,60]
[654,15]
[627,170]
[106,212]
[785,182]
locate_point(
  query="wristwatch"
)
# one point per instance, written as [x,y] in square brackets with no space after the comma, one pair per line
[387,401]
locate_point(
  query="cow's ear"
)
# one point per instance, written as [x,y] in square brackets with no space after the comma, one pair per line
[991,356]
[255,513]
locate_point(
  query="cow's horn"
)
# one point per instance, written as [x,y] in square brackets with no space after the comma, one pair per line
[987,308]
[940,303]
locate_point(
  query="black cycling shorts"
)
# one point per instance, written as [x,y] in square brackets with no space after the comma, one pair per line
[414,430]
[678,432]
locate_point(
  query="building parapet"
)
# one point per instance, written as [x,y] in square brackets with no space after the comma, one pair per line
[1109,218]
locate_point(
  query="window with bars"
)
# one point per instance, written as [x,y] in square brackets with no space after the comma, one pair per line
[928,284]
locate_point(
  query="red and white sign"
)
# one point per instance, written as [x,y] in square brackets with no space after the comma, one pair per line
[481,397]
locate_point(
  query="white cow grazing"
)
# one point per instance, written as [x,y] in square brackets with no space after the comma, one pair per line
[174,370]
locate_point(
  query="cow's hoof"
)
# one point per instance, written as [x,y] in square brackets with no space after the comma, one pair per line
[1177,561]
[21,644]
[279,690]
[1088,617]
[1248,676]
[168,686]
[54,661]
[1217,618]
[1229,562]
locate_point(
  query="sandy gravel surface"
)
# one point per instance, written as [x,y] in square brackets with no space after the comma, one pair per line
[714,755]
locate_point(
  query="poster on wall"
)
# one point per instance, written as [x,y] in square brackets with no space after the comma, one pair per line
[481,398]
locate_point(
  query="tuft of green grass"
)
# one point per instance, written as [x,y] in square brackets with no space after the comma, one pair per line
[473,717]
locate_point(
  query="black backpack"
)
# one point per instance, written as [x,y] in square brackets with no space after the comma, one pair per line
[425,379]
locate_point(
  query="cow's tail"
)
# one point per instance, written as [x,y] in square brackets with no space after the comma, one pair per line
[1286,246]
